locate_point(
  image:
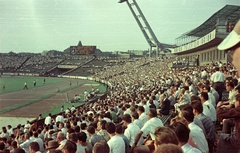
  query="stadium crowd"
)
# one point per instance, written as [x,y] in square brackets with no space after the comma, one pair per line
[11,61]
[129,118]
[39,63]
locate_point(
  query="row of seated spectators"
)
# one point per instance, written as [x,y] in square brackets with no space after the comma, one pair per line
[127,120]
[37,63]
[40,63]
[94,66]
[76,60]
[11,61]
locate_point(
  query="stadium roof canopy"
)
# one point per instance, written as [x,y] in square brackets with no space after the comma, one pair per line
[230,12]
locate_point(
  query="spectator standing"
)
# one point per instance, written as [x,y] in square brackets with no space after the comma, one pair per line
[218,79]
[48,119]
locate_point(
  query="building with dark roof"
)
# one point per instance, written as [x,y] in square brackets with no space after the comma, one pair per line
[82,50]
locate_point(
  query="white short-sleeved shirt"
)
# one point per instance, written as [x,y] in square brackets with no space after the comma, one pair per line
[146,108]
[131,133]
[231,96]
[143,117]
[187,148]
[25,145]
[40,142]
[48,120]
[138,122]
[211,99]
[59,118]
[198,137]
[218,77]
[209,110]
[116,144]
[150,126]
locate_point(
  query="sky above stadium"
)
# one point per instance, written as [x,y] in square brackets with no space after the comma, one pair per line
[38,25]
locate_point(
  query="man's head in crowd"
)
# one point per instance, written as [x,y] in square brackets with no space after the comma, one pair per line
[34,147]
[197,107]
[203,96]
[110,127]
[91,130]
[70,147]
[126,119]
[140,110]
[152,113]
[101,147]
[164,135]
[60,137]
[168,148]
[181,131]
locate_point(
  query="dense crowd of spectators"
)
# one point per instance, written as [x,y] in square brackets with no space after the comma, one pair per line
[127,120]
[11,61]
[39,63]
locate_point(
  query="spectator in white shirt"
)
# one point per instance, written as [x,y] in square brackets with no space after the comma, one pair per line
[182,133]
[48,119]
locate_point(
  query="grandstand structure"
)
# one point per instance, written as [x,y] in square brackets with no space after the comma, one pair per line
[199,46]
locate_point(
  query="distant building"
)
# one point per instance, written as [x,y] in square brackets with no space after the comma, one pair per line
[82,50]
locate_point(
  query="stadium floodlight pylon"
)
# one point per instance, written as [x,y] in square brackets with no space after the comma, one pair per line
[144,26]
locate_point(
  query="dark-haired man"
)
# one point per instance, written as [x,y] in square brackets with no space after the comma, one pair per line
[116,142]
[131,130]
[34,147]
[207,123]
[208,108]
[148,129]
[182,133]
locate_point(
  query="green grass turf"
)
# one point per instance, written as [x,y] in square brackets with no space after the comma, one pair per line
[16,83]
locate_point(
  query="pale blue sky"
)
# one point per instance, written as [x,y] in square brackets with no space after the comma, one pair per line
[37,25]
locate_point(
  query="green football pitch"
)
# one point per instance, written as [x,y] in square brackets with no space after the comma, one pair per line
[15,83]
